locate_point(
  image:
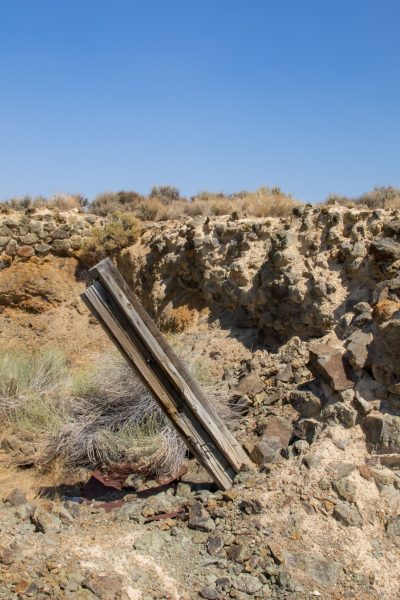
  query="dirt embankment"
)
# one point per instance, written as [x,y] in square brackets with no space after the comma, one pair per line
[298,321]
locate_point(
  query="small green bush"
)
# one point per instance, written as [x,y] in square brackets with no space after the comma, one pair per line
[31,387]
[120,231]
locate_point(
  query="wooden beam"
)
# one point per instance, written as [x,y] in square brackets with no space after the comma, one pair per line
[136,336]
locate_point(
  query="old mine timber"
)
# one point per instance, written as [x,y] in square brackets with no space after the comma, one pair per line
[136,336]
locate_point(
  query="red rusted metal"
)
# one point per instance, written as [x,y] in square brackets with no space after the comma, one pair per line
[176,514]
[101,485]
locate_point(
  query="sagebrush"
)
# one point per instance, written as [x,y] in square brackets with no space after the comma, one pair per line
[86,419]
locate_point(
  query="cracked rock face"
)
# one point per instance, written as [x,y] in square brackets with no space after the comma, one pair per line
[304,275]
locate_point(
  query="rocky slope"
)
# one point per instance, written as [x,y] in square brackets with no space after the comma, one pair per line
[299,321]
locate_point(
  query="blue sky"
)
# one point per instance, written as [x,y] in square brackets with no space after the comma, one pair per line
[203,94]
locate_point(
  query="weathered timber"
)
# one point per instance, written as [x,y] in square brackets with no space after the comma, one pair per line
[135,334]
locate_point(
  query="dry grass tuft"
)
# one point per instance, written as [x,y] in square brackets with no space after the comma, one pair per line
[266,202]
[176,320]
[379,197]
[95,419]
[110,202]
[57,202]
[165,203]
[115,419]
[31,389]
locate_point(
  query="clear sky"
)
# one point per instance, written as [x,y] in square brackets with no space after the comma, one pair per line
[101,95]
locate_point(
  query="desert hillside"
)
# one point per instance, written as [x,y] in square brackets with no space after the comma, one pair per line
[291,324]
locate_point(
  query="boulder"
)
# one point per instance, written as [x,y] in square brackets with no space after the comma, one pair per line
[199,518]
[42,249]
[61,247]
[308,429]
[45,522]
[331,365]
[321,570]
[209,593]
[277,435]
[250,385]
[382,432]
[347,515]
[358,349]
[306,403]
[105,587]
[215,544]
[11,248]
[385,249]
[60,234]
[362,406]
[345,489]
[29,239]
[16,497]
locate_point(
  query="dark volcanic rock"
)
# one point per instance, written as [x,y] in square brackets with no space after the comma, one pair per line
[385,249]
[383,432]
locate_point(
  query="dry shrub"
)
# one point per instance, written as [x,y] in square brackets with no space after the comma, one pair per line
[194,208]
[341,200]
[385,309]
[93,419]
[165,203]
[379,197]
[178,319]
[87,420]
[153,209]
[109,202]
[149,209]
[59,202]
[114,419]
[23,203]
[222,206]
[266,202]
[66,201]
[165,193]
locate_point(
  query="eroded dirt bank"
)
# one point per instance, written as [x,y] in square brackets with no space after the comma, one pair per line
[296,321]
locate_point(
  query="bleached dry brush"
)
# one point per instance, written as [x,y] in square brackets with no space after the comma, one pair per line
[115,419]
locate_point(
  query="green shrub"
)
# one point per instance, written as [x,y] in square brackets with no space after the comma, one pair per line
[31,386]
[120,231]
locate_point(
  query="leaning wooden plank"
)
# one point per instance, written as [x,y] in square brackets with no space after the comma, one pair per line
[118,327]
[146,329]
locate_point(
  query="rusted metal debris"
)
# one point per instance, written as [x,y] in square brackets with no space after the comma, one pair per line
[100,485]
[176,514]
